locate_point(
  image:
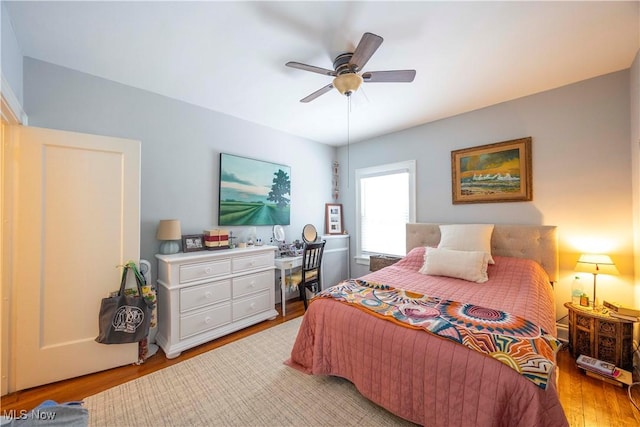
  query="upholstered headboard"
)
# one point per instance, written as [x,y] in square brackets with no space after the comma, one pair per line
[536,242]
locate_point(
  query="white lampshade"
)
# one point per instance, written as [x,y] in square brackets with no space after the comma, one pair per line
[596,264]
[168,232]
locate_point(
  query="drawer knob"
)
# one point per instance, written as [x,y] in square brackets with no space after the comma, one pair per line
[252,306]
[207,320]
[208,294]
[207,270]
[252,284]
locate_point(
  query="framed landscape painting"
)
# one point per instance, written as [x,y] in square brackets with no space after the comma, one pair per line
[253,192]
[499,172]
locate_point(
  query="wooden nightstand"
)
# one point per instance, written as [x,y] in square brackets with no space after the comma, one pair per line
[601,336]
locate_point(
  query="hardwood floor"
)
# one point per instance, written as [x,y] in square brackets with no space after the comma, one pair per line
[589,401]
[87,385]
[586,401]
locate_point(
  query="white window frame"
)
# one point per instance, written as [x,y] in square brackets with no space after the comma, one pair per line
[386,169]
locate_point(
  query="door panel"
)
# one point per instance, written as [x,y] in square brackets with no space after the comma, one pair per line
[77,220]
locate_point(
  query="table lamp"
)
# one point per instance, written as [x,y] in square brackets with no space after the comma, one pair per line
[169,232]
[596,264]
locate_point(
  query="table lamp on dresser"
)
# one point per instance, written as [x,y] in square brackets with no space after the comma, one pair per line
[169,234]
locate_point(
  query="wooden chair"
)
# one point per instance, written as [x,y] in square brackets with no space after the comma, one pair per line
[310,271]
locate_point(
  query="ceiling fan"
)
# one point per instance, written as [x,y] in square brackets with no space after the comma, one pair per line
[347,70]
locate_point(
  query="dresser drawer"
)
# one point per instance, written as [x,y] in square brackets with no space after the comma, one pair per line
[205,270]
[214,317]
[251,305]
[252,262]
[202,295]
[252,283]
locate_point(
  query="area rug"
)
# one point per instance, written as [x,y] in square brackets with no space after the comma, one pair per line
[244,383]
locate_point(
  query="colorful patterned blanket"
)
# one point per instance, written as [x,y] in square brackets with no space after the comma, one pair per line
[510,339]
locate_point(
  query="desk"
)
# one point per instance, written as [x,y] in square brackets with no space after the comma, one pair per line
[284,264]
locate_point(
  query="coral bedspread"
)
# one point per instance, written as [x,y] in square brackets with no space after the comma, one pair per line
[422,377]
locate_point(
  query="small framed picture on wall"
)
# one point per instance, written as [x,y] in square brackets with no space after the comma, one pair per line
[333,218]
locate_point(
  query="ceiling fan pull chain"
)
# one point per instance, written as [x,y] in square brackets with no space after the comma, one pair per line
[348,138]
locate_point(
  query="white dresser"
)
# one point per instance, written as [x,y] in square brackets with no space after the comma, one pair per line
[205,295]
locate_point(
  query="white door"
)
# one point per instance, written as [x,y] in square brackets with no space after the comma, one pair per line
[76,218]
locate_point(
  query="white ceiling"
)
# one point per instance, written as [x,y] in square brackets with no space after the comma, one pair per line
[229,56]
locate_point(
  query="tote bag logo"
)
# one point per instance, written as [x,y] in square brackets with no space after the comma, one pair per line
[127,319]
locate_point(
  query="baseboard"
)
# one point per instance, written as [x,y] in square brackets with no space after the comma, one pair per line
[563,333]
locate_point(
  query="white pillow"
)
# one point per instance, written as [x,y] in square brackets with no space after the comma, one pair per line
[467,237]
[467,265]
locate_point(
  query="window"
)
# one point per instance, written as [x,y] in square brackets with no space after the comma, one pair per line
[385,202]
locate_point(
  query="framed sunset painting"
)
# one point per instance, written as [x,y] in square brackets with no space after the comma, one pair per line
[499,172]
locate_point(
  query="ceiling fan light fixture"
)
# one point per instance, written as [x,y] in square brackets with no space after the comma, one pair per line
[346,67]
[347,83]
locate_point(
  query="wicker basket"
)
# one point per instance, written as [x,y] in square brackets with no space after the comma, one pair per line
[376,262]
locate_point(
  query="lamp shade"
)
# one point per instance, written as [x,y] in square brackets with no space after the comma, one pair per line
[347,83]
[596,264]
[169,229]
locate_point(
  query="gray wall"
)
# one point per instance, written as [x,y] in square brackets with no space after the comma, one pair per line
[11,56]
[581,171]
[180,148]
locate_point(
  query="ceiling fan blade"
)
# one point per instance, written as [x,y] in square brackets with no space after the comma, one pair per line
[369,43]
[398,76]
[312,68]
[317,93]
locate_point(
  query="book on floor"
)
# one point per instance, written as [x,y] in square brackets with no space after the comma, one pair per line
[596,365]
[620,377]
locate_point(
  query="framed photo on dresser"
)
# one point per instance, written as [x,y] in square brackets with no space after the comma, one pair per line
[193,242]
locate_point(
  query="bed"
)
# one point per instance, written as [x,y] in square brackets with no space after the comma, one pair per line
[423,377]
